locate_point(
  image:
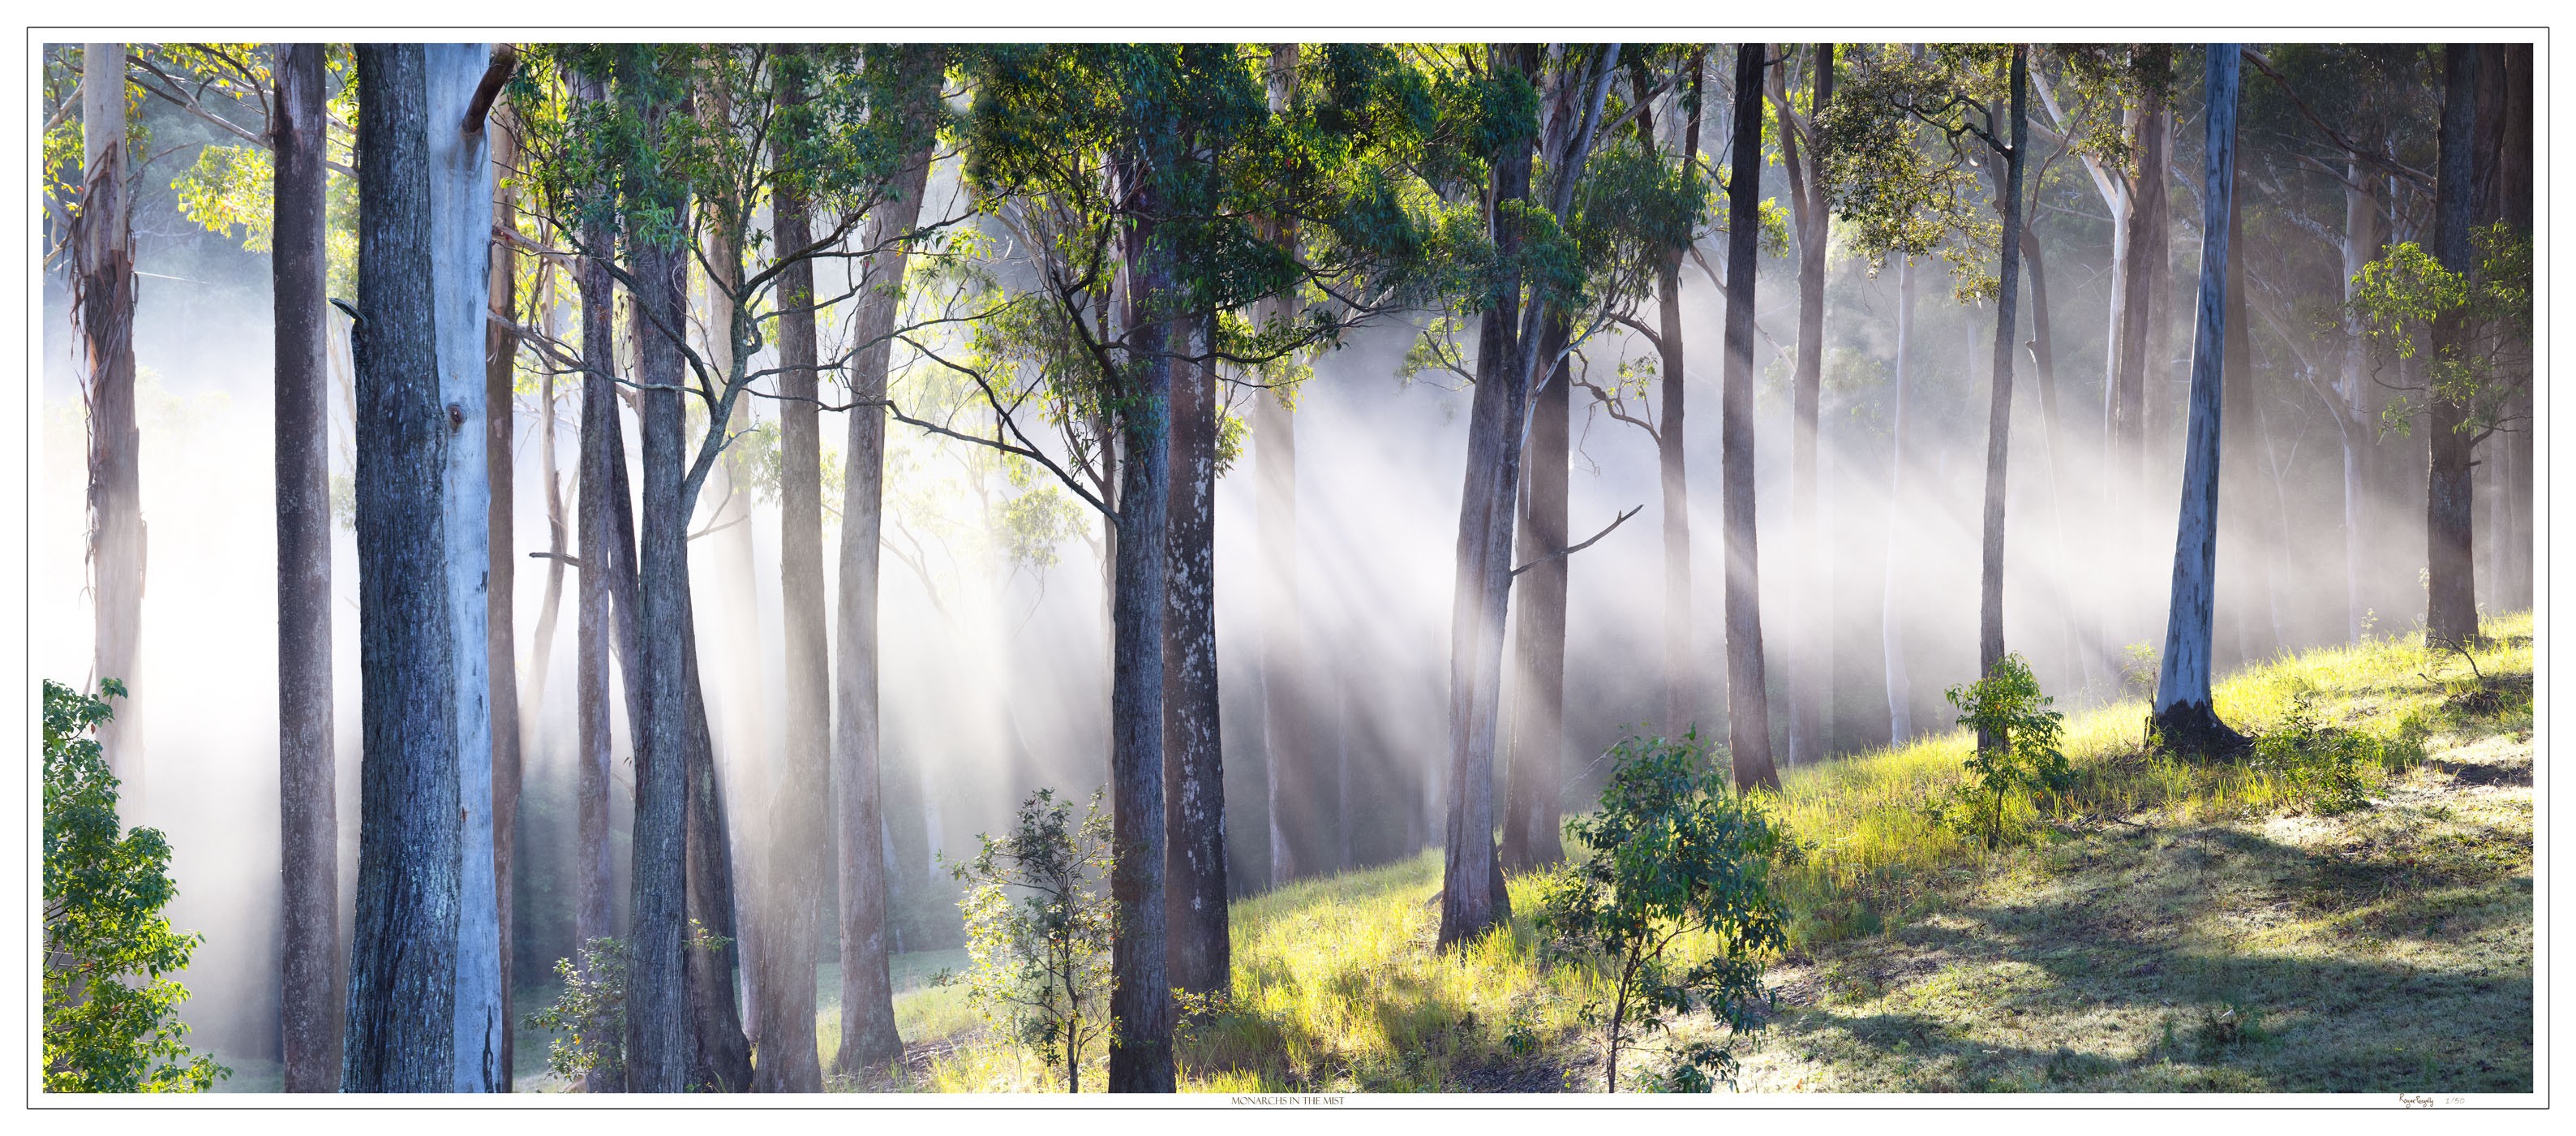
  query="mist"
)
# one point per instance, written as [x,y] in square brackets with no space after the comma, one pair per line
[995,675]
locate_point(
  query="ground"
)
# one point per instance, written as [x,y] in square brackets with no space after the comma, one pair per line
[2168,925]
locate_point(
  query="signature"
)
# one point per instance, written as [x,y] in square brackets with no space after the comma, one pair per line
[2412,1101]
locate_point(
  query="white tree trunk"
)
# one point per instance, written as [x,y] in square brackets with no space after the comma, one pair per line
[460,188]
[2182,687]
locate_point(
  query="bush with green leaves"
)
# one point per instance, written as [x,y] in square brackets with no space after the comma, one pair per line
[2323,766]
[1671,852]
[2017,752]
[109,1024]
[590,1014]
[1039,926]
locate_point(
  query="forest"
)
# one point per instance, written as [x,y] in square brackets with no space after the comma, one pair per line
[1251,569]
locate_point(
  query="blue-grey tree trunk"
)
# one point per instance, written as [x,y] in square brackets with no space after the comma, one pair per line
[2183,714]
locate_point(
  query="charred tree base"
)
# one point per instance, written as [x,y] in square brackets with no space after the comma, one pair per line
[2192,729]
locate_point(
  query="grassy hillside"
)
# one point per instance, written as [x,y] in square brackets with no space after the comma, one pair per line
[2170,926]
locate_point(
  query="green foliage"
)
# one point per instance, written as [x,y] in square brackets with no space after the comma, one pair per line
[1039,925]
[1672,851]
[2407,290]
[2138,668]
[228,186]
[2320,765]
[108,1011]
[590,1013]
[2023,757]
[1900,143]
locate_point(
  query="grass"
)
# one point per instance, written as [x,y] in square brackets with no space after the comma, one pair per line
[2170,925]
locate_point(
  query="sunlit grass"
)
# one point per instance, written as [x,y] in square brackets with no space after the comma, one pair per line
[1337,988]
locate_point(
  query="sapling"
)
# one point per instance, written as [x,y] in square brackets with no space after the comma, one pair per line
[1039,926]
[1672,851]
[2018,753]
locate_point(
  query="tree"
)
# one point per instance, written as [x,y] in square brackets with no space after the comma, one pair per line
[1194,895]
[1990,606]
[108,1024]
[308,829]
[1748,700]
[910,85]
[1633,215]
[2007,706]
[605,549]
[2183,717]
[1680,687]
[1288,747]
[1670,852]
[644,164]
[1104,163]
[1040,932]
[1900,691]
[1812,218]
[2451,609]
[423,984]
[102,246]
[785,976]
[501,647]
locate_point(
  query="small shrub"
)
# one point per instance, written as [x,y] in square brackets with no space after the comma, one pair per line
[1039,926]
[590,1013]
[1671,851]
[109,1013]
[2321,766]
[2138,669]
[2007,707]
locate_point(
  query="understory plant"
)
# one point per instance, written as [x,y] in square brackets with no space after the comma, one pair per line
[2324,767]
[590,1015]
[1039,926]
[2017,752]
[1671,852]
[110,1015]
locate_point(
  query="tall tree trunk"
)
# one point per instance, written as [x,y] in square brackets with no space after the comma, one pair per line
[403,947]
[1530,802]
[2357,420]
[1681,688]
[658,1050]
[1472,898]
[461,191]
[1808,592]
[1900,689]
[732,582]
[2183,716]
[1990,591]
[2147,239]
[603,493]
[1285,716]
[102,241]
[722,1060]
[2451,610]
[308,811]
[549,609]
[1140,998]
[1200,955]
[789,1060]
[2515,177]
[2240,518]
[500,380]
[1748,703]
[868,1038]
[2043,357]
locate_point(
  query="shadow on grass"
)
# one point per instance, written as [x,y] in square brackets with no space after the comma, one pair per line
[2146,973]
